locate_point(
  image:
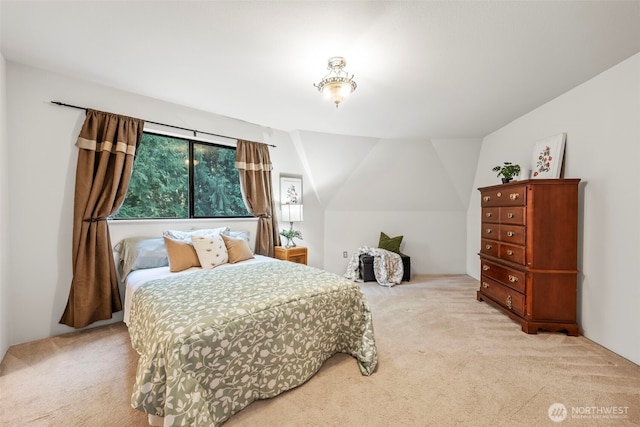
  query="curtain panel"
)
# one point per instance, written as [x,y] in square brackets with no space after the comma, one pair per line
[254,166]
[107,145]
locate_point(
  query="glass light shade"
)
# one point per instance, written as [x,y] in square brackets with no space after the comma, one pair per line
[337,91]
[337,84]
[292,213]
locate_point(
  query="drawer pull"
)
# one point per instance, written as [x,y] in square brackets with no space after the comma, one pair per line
[510,215]
[510,233]
[509,252]
[485,285]
[509,302]
[488,214]
[514,196]
[486,198]
[499,194]
[512,278]
[488,247]
[489,231]
[485,268]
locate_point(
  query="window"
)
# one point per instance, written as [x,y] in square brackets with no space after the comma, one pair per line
[181,178]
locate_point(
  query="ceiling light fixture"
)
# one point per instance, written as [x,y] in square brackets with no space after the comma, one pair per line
[337,84]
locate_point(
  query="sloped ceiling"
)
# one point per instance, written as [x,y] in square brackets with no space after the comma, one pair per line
[425,69]
[396,177]
[366,174]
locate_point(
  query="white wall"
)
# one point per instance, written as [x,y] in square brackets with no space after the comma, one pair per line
[435,240]
[41,164]
[602,120]
[417,189]
[5,315]
[289,159]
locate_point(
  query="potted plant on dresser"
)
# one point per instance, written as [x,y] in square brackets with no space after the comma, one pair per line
[508,171]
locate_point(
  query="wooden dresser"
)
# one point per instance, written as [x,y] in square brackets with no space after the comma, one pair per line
[528,254]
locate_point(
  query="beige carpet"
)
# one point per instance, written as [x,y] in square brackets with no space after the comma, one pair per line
[444,360]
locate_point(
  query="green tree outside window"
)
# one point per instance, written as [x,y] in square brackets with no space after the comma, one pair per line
[160,182]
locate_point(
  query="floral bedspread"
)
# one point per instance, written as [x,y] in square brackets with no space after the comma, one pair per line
[213,341]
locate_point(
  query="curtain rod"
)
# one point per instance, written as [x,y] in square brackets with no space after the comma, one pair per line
[62,104]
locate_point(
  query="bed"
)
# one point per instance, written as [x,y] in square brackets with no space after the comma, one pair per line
[211,341]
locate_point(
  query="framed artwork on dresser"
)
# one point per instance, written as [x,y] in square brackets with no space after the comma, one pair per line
[548,154]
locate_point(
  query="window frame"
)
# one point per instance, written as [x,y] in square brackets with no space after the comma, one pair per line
[191,141]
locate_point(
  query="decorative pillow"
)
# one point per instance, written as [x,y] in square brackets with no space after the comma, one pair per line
[137,253]
[237,249]
[181,255]
[244,235]
[211,250]
[390,243]
[237,234]
[185,236]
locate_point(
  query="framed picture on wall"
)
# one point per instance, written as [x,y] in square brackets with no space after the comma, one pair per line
[290,189]
[548,153]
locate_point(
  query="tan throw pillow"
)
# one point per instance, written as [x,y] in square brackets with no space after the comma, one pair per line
[211,250]
[181,255]
[237,249]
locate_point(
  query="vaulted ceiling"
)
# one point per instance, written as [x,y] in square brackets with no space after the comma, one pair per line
[425,69]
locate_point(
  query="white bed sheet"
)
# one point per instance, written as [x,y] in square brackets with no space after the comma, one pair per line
[137,278]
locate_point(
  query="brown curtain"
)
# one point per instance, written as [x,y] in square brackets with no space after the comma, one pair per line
[106,148]
[254,166]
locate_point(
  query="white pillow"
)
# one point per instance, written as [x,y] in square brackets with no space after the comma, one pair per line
[185,236]
[211,250]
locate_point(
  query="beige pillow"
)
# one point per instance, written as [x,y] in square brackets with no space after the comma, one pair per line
[211,250]
[237,249]
[181,255]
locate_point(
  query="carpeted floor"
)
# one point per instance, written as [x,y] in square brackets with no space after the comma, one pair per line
[444,360]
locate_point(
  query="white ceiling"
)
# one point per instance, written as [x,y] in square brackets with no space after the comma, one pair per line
[424,69]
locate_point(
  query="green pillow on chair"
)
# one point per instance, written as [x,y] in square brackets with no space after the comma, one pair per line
[390,243]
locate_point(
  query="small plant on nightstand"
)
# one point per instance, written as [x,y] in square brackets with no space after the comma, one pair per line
[508,171]
[290,234]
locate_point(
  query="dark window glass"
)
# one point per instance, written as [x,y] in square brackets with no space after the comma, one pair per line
[160,183]
[216,184]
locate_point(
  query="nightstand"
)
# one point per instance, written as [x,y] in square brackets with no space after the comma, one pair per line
[295,254]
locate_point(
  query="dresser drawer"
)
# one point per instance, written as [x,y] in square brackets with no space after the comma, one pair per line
[512,278]
[512,234]
[490,231]
[490,247]
[491,198]
[515,196]
[509,196]
[512,253]
[490,214]
[512,215]
[503,295]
